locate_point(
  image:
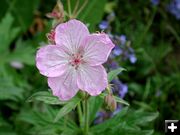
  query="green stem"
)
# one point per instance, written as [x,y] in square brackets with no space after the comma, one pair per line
[86,111]
[69,7]
[173,31]
[80,114]
[81,8]
[141,39]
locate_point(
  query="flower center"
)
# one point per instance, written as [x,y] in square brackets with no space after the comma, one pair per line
[76,60]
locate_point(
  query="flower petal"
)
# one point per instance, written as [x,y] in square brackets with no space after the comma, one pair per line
[97,48]
[92,79]
[51,60]
[71,34]
[65,86]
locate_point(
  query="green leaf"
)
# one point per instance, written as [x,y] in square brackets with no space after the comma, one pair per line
[140,117]
[127,131]
[6,128]
[126,122]
[43,120]
[45,97]
[8,90]
[117,99]
[114,73]
[24,16]
[93,13]
[7,33]
[110,123]
[27,57]
[95,103]
[3,7]
[67,108]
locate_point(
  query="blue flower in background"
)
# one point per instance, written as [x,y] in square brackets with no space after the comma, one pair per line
[113,65]
[123,48]
[122,39]
[111,17]
[117,51]
[119,88]
[155,2]
[99,117]
[119,108]
[158,93]
[132,58]
[174,8]
[123,90]
[104,25]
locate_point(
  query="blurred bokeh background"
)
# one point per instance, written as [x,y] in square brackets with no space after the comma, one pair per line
[147,38]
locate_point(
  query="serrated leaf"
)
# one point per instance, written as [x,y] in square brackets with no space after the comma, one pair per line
[67,108]
[129,122]
[110,123]
[114,73]
[117,99]
[145,117]
[44,120]
[127,131]
[8,90]
[45,97]
[7,33]
[27,57]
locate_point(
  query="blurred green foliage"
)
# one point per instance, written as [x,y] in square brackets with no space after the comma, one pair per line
[154,81]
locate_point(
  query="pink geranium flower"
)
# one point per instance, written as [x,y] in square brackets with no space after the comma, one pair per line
[75,62]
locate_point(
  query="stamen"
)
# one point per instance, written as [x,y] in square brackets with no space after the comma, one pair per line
[76,60]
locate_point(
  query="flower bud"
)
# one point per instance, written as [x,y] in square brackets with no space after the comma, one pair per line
[51,36]
[111,102]
[57,14]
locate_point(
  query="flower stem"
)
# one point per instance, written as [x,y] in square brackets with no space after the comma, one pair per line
[86,114]
[80,114]
[76,8]
[150,22]
[69,7]
[81,8]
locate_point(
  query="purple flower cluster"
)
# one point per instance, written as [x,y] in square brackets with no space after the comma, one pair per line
[119,88]
[105,24]
[101,116]
[123,48]
[174,8]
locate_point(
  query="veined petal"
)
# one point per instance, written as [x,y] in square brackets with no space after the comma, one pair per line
[51,60]
[92,79]
[65,86]
[97,48]
[71,34]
